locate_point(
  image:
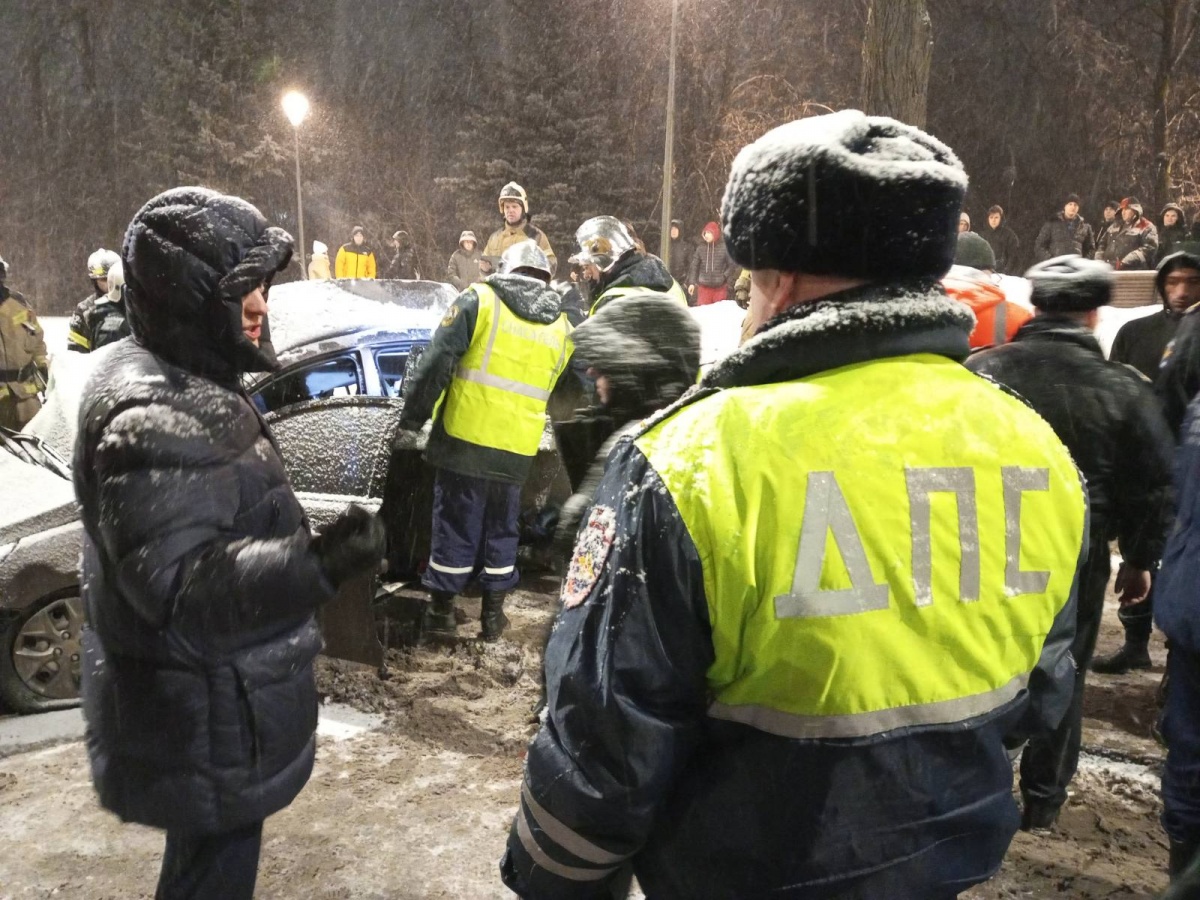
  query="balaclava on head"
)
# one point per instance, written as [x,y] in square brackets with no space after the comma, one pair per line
[190,255]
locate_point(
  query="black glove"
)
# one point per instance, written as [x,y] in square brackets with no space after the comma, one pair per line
[352,544]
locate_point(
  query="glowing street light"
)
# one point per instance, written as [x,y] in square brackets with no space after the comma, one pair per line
[295,107]
[664,247]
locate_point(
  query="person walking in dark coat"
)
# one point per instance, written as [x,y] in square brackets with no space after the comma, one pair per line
[1107,416]
[1172,231]
[681,252]
[1003,241]
[403,263]
[200,576]
[1067,233]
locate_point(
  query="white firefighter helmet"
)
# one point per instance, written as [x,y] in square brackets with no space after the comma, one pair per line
[100,262]
[525,256]
[116,283]
[602,241]
[3,269]
[513,191]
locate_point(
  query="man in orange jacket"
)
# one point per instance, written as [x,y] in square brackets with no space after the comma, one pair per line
[969,281]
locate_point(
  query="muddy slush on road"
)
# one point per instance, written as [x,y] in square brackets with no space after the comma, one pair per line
[419,805]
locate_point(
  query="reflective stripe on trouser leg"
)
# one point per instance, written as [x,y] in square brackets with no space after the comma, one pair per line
[456,543]
[500,537]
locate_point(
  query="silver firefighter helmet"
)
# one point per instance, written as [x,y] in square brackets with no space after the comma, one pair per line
[525,256]
[100,262]
[602,241]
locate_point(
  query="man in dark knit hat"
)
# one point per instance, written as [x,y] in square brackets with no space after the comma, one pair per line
[1108,417]
[200,576]
[791,651]
[1003,240]
[1065,234]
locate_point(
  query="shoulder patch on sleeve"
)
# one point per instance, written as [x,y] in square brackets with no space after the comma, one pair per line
[451,315]
[591,552]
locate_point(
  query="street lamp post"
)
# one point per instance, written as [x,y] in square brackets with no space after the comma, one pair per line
[295,107]
[664,247]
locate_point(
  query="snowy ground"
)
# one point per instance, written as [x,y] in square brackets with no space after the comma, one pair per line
[418,803]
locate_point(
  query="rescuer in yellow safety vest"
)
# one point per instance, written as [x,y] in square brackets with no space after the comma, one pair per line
[489,371]
[815,601]
[612,267]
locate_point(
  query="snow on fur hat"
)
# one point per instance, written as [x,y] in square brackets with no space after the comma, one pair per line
[1070,284]
[845,194]
[974,251]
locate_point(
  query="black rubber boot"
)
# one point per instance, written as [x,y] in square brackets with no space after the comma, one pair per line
[1130,656]
[1182,855]
[491,617]
[1038,817]
[438,622]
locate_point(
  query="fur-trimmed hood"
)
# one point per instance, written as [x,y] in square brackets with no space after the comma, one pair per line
[858,325]
[529,298]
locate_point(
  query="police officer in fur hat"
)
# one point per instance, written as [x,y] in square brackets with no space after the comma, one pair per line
[797,584]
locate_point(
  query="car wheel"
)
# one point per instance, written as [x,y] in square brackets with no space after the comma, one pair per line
[39,668]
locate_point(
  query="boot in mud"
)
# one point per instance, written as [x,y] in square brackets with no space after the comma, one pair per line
[491,617]
[1130,656]
[438,622]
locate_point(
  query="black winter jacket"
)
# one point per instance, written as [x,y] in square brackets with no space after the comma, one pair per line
[712,265]
[1107,416]
[1178,379]
[532,301]
[630,771]
[1007,247]
[1060,237]
[200,580]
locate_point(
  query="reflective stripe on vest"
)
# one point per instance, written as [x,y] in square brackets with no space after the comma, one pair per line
[498,395]
[884,545]
[1000,326]
[675,292]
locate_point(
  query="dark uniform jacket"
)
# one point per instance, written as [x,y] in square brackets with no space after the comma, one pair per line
[24,366]
[82,324]
[629,766]
[1109,419]
[200,580]
[1060,237]
[529,299]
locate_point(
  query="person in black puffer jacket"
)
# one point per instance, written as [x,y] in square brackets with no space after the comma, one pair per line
[1107,415]
[200,575]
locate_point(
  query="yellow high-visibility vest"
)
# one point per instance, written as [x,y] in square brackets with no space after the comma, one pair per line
[498,395]
[884,545]
[675,292]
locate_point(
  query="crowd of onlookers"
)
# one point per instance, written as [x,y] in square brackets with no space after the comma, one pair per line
[1125,238]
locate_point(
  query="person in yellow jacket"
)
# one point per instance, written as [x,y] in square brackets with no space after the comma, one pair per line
[23,362]
[514,207]
[485,379]
[355,259]
[816,601]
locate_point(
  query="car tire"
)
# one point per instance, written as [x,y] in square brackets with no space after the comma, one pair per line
[42,654]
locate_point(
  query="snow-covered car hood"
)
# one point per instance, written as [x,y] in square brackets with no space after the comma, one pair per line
[35,500]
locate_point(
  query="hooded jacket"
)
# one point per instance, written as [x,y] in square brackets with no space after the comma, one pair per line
[1131,245]
[1178,379]
[318,265]
[996,319]
[199,576]
[681,254]
[463,269]
[1063,237]
[1142,342]
[711,264]
[1170,237]
[527,298]
[633,769]
[1107,416]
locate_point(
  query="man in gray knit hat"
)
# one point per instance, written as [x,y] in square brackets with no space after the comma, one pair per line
[814,600]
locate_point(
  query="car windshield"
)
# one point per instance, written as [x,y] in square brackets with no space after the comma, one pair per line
[31,449]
